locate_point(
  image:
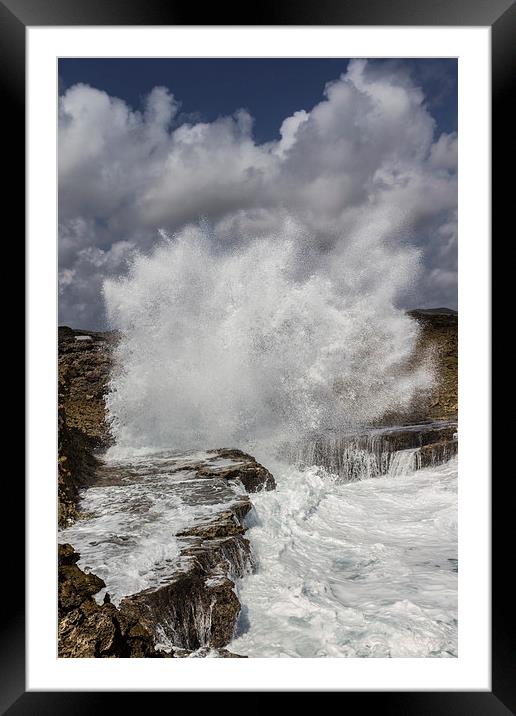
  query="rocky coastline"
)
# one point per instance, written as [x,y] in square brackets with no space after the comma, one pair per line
[214,553]
[196,605]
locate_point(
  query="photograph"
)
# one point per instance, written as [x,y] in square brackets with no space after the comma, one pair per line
[257,357]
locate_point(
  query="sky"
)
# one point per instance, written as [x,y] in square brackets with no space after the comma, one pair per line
[150,146]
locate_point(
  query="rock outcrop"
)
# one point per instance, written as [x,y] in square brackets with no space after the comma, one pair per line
[84,369]
[87,629]
[413,436]
[437,453]
[192,602]
[193,608]
[83,375]
[199,606]
[76,465]
[254,477]
[439,338]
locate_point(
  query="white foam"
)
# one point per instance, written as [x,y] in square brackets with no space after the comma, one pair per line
[361,569]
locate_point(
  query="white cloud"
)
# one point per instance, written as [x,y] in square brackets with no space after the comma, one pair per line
[444,152]
[363,162]
[288,131]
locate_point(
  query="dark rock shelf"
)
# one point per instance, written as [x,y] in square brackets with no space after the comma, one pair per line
[192,603]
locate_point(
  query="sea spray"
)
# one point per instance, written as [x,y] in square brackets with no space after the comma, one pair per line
[223,347]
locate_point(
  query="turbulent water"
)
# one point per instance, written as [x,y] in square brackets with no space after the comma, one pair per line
[361,567]
[354,569]
[133,513]
[261,345]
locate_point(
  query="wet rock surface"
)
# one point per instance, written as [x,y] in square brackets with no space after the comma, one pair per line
[193,508]
[253,476]
[414,436]
[199,606]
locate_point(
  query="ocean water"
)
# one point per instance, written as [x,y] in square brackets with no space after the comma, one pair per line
[363,568]
[256,343]
[352,569]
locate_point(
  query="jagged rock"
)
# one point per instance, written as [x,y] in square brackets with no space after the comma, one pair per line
[67,555]
[84,371]
[76,461]
[253,476]
[87,629]
[207,652]
[74,585]
[196,604]
[197,607]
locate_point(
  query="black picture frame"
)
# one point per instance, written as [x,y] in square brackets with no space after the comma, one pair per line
[500,15]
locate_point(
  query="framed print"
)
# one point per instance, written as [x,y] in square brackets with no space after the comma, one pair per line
[258,357]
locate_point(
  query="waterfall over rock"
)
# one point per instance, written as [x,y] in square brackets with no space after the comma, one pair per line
[360,455]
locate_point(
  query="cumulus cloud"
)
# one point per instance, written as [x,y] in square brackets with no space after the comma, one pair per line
[365,162]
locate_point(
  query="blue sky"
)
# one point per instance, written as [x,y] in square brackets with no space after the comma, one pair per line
[270,89]
[153,145]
